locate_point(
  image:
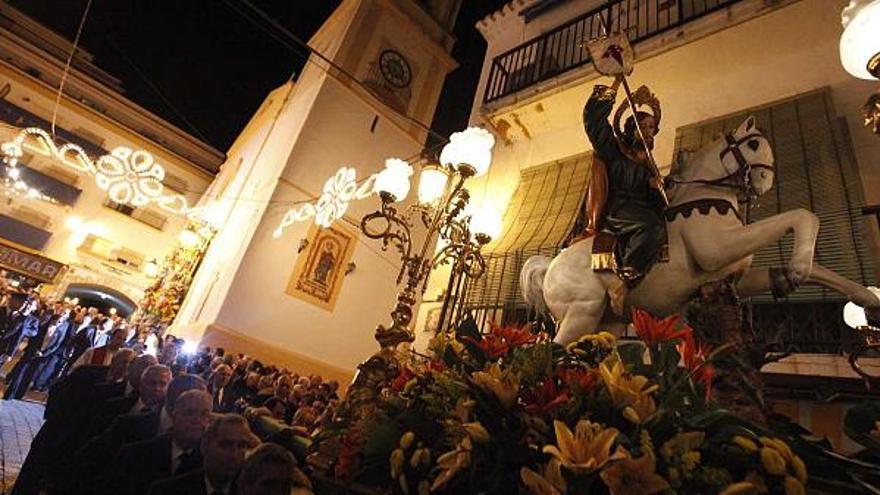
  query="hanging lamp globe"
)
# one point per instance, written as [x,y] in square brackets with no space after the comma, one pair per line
[432,184]
[469,151]
[392,183]
[860,41]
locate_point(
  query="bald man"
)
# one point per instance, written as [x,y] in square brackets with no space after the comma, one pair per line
[139,464]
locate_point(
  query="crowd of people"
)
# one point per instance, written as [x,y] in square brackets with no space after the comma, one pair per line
[122,420]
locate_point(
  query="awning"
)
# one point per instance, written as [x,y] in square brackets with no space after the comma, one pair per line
[544,206]
[538,219]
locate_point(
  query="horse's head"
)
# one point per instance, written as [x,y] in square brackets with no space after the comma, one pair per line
[741,160]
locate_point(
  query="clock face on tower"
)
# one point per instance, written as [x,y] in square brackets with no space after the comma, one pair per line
[395,69]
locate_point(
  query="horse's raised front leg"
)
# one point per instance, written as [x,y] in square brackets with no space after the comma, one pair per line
[759,281]
[714,248]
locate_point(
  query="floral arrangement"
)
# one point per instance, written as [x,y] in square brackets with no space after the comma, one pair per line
[162,300]
[511,412]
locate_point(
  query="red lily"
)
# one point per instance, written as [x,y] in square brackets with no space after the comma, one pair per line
[584,379]
[694,356]
[545,397]
[653,330]
[400,381]
[515,336]
[492,345]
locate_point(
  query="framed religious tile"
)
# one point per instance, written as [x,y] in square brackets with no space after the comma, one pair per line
[320,268]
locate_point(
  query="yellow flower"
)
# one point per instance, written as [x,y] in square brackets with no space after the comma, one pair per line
[794,487]
[477,432]
[741,488]
[587,449]
[407,439]
[634,477]
[799,468]
[550,483]
[772,461]
[780,446]
[396,461]
[681,444]
[452,462]
[745,443]
[503,385]
[690,460]
[602,339]
[629,390]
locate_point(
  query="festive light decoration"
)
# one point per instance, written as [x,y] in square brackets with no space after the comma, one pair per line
[14,186]
[128,176]
[338,192]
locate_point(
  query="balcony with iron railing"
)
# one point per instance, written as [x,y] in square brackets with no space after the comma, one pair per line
[560,50]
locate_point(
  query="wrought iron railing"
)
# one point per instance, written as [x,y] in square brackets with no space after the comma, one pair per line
[559,50]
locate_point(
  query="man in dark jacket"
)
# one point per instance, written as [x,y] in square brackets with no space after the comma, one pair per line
[27,368]
[138,465]
[52,355]
[223,447]
[125,429]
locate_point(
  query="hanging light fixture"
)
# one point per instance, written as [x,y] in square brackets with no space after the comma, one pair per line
[860,50]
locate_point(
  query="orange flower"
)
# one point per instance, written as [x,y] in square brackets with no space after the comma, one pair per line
[654,330]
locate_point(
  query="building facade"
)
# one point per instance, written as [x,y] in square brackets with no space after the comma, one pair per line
[294,295]
[711,64]
[104,249]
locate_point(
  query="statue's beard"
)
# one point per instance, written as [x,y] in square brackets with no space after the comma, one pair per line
[637,144]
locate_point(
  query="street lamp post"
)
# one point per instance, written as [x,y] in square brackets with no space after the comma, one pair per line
[443,208]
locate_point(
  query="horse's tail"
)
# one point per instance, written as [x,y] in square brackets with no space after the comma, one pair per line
[531,279]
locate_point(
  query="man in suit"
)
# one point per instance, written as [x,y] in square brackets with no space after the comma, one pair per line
[113,389]
[140,464]
[52,355]
[151,392]
[219,381]
[64,417]
[271,470]
[24,322]
[27,368]
[223,448]
[125,429]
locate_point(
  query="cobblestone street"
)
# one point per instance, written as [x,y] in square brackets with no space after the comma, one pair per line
[19,422]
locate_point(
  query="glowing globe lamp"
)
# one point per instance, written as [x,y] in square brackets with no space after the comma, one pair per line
[469,151]
[393,182]
[486,224]
[432,184]
[860,41]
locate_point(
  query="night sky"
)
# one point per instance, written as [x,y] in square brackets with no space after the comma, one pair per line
[203,65]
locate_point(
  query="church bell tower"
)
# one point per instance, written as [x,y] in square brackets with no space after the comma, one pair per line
[307,297]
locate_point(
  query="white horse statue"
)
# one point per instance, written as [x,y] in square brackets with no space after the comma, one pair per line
[707,242]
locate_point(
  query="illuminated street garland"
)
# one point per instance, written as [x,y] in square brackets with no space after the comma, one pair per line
[129,177]
[338,192]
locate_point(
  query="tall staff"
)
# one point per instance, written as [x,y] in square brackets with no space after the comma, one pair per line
[618,50]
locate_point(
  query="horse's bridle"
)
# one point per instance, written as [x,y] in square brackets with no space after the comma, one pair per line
[739,178]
